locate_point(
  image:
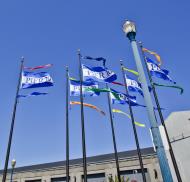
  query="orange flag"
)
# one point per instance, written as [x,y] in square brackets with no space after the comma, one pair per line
[88,105]
[153,53]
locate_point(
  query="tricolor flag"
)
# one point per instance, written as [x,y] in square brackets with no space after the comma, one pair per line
[121,112]
[153,53]
[99,74]
[88,105]
[34,80]
[98,89]
[131,71]
[38,67]
[86,86]
[155,70]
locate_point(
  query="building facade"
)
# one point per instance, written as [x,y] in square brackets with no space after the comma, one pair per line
[178,127]
[100,169]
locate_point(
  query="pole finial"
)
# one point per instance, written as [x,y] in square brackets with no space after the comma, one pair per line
[22,59]
[78,51]
[121,63]
[140,44]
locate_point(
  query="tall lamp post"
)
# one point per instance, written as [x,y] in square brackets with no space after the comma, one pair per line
[13,164]
[130,31]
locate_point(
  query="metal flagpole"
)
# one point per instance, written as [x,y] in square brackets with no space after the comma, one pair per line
[134,127]
[161,118]
[82,119]
[67,124]
[12,123]
[113,136]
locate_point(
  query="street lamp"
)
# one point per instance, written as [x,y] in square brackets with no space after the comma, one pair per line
[129,29]
[134,175]
[13,164]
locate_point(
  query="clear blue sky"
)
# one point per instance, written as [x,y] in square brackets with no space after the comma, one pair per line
[48,31]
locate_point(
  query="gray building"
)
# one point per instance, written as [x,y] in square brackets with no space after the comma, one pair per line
[178,126]
[100,169]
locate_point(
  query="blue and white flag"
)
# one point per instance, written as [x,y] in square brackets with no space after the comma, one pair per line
[75,88]
[155,70]
[34,80]
[121,98]
[96,59]
[99,74]
[32,94]
[133,85]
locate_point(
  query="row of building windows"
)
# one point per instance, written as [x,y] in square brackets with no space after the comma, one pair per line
[131,175]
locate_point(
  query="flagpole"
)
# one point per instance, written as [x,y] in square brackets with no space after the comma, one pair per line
[134,127]
[161,117]
[82,119]
[67,124]
[12,123]
[113,135]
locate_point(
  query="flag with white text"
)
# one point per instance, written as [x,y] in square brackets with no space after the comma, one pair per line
[99,74]
[35,80]
[86,86]
[133,85]
[155,70]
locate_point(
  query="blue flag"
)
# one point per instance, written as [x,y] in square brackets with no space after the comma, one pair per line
[155,70]
[34,80]
[121,98]
[133,85]
[32,94]
[99,74]
[96,59]
[75,88]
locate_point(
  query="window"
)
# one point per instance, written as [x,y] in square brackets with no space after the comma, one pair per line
[95,177]
[58,179]
[135,175]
